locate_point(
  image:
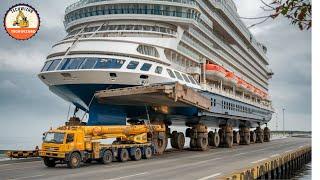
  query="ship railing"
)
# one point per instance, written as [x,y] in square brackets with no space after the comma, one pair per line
[84,2]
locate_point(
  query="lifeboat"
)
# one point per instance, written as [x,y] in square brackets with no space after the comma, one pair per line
[230,77]
[240,83]
[217,71]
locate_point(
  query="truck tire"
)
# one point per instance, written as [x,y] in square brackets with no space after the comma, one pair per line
[229,140]
[180,141]
[202,143]
[74,160]
[123,155]
[173,139]
[106,157]
[49,162]
[236,137]
[147,153]
[213,139]
[137,155]
[253,137]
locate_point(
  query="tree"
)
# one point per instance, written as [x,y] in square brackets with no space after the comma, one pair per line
[297,11]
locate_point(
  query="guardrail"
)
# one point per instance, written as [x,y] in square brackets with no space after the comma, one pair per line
[279,167]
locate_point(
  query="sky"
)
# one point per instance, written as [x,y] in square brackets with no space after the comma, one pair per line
[28,108]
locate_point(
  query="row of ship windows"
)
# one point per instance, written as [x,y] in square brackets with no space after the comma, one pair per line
[109,63]
[84,2]
[126,28]
[238,108]
[163,10]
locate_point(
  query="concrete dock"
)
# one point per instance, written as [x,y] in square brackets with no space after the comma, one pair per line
[212,164]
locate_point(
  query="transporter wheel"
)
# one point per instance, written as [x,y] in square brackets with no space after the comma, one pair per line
[259,137]
[193,143]
[202,143]
[246,138]
[74,160]
[137,155]
[49,162]
[267,134]
[213,139]
[123,155]
[173,139]
[147,153]
[106,157]
[253,137]
[236,137]
[229,140]
[180,141]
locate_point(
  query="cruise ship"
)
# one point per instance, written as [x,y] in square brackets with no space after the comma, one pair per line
[201,44]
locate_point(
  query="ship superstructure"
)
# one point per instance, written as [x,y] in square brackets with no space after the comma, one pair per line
[121,43]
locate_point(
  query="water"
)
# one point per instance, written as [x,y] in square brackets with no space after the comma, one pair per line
[304,173]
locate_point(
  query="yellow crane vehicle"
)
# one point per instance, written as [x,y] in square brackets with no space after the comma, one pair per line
[21,20]
[75,143]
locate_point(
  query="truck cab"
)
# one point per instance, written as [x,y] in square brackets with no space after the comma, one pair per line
[59,145]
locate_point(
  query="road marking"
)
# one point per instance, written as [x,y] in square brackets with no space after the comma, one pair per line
[123,177]
[240,154]
[259,160]
[274,155]
[39,175]
[209,177]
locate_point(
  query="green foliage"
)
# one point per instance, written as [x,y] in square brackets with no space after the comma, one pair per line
[298,11]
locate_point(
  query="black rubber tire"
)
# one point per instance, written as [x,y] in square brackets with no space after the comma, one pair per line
[236,137]
[107,157]
[160,145]
[123,155]
[49,162]
[173,139]
[74,160]
[193,143]
[180,141]
[229,140]
[137,154]
[221,136]
[267,134]
[260,137]
[202,143]
[246,138]
[147,154]
[213,139]
[253,137]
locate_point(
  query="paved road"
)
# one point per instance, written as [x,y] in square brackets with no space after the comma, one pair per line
[172,165]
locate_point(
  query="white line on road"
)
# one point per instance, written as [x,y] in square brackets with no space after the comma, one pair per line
[123,177]
[259,160]
[28,177]
[240,154]
[209,177]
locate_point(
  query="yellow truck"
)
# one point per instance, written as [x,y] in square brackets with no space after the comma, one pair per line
[75,143]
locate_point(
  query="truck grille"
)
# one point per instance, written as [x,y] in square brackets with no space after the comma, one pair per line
[48,148]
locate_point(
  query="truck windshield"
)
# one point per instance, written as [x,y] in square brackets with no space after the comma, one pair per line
[54,138]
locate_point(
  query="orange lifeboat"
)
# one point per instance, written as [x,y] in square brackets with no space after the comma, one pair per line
[215,71]
[230,76]
[240,82]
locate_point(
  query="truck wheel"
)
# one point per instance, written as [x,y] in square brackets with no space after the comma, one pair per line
[147,153]
[173,139]
[236,137]
[137,155]
[123,155]
[202,143]
[180,141]
[106,157]
[229,140]
[253,137]
[49,162]
[74,160]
